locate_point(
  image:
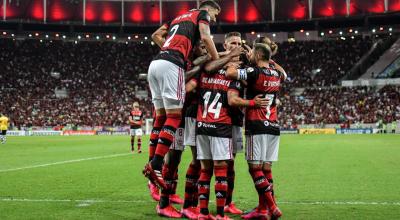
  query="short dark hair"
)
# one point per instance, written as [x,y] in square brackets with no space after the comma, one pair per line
[233,34]
[210,3]
[264,49]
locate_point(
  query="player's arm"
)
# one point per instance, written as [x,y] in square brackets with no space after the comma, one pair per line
[131,120]
[205,36]
[280,69]
[215,65]
[191,85]
[235,100]
[159,35]
[199,63]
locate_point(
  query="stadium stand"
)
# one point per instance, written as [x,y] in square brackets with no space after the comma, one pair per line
[101,79]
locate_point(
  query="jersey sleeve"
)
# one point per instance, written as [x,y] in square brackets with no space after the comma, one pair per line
[249,74]
[204,17]
[235,85]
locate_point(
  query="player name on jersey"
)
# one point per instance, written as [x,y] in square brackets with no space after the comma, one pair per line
[265,81]
[213,115]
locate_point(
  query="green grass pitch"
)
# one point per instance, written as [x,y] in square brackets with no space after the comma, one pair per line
[96,177]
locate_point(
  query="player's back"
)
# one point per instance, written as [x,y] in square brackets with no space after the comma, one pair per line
[183,32]
[265,81]
[213,116]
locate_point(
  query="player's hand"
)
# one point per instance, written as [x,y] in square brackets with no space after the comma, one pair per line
[235,65]
[221,54]
[261,101]
[236,52]
[248,51]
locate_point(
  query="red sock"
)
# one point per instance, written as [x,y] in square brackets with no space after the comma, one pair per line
[139,143]
[165,139]
[157,125]
[221,187]
[263,188]
[168,173]
[204,190]
[231,181]
[268,175]
[174,182]
[192,176]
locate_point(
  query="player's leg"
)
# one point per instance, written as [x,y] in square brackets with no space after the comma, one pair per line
[255,155]
[271,156]
[156,85]
[139,134]
[2,136]
[170,168]
[132,133]
[173,94]
[190,209]
[222,153]
[171,163]
[193,171]
[237,143]
[204,155]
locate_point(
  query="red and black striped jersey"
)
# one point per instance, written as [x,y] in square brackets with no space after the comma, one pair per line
[137,116]
[265,81]
[213,115]
[183,33]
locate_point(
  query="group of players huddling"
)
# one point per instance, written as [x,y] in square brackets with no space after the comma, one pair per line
[201,98]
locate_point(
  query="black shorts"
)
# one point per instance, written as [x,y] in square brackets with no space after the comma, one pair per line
[3,132]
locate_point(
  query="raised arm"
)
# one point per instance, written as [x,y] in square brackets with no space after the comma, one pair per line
[216,65]
[159,35]
[205,36]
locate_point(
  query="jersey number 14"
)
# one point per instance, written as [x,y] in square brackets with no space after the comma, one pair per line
[215,106]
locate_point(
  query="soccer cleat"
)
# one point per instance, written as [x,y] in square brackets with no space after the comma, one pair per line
[256,214]
[276,213]
[154,192]
[190,213]
[225,217]
[154,176]
[206,217]
[231,208]
[169,211]
[139,151]
[175,199]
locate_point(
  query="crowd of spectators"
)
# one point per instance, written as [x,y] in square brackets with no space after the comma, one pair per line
[320,63]
[101,81]
[341,105]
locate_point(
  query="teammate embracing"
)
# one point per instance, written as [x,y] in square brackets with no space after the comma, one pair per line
[262,128]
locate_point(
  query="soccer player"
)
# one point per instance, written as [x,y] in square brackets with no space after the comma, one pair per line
[232,41]
[274,49]
[136,120]
[262,128]
[3,128]
[214,134]
[166,76]
[173,157]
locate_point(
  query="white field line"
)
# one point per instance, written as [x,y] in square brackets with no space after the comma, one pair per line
[64,162]
[91,201]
